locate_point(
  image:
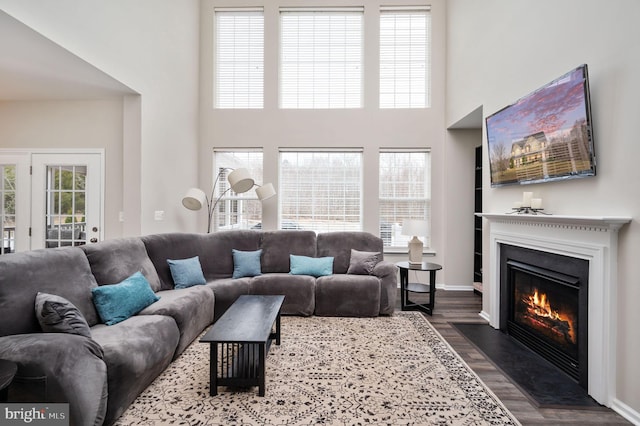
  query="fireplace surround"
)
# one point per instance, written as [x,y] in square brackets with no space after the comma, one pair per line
[593,239]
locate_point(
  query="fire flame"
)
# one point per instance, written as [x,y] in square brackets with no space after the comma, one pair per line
[539,305]
[542,307]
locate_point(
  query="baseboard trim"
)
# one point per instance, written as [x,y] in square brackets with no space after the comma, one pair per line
[484,316]
[451,287]
[625,411]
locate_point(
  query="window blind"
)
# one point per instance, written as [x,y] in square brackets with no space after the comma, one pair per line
[239,67]
[237,211]
[405,193]
[405,50]
[321,58]
[321,190]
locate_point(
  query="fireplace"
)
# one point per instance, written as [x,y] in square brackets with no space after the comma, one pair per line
[544,304]
[593,239]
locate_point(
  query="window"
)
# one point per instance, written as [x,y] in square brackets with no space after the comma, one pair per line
[405,193]
[66,210]
[237,211]
[321,58]
[239,67]
[321,190]
[405,57]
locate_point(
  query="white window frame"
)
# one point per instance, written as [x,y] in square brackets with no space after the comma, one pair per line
[405,57]
[396,192]
[236,211]
[321,58]
[239,58]
[324,184]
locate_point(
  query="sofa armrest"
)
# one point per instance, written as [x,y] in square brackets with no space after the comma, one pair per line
[387,272]
[72,368]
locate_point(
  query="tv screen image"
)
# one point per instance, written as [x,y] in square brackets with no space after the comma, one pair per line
[544,136]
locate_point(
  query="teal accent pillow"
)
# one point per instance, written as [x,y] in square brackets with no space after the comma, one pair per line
[314,266]
[117,302]
[246,263]
[186,272]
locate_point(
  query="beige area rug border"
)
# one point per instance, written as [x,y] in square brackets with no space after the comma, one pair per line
[397,375]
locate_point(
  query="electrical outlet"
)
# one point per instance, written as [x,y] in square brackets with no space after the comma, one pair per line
[159,215]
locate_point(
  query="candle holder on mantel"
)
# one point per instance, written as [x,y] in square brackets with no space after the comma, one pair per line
[527,210]
[528,205]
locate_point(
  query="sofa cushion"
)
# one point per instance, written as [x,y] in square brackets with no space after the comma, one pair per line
[186,272]
[136,351]
[57,315]
[278,245]
[348,296]
[226,291]
[363,262]
[191,308]
[246,263]
[314,266]
[117,302]
[339,245]
[114,260]
[298,291]
[61,271]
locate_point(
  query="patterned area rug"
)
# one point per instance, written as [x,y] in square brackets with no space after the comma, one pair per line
[336,371]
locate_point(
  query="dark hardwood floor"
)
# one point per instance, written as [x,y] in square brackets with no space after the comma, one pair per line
[464,306]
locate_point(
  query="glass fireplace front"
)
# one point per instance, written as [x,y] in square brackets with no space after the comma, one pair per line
[544,306]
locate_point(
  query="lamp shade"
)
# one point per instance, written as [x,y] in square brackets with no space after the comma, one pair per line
[240,180]
[415,227]
[194,199]
[265,191]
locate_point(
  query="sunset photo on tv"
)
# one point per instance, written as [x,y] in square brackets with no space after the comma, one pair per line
[545,135]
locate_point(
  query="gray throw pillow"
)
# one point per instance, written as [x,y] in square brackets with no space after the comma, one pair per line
[363,262]
[57,315]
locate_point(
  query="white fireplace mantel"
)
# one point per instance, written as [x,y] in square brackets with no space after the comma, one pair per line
[593,238]
[609,222]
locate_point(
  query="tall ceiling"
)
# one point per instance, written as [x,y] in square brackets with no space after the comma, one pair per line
[32,67]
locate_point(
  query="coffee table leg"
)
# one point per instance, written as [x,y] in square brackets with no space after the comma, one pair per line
[261,368]
[213,370]
[278,329]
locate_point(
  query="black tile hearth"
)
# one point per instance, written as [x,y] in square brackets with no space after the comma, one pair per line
[547,385]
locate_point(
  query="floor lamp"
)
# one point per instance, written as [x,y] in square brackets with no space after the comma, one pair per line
[240,181]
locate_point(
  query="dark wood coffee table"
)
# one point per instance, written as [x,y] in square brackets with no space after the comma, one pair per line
[244,334]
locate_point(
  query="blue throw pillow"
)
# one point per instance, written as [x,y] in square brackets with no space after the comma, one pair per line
[117,302]
[186,272]
[314,266]
[246,263]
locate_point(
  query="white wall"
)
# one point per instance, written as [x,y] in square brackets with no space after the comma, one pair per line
[152,47]
[458,201]
[499,51]
[71,124]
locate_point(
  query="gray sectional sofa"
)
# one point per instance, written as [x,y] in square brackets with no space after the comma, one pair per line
[101,375]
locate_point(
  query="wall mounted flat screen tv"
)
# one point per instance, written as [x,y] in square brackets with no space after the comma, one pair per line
[545,136]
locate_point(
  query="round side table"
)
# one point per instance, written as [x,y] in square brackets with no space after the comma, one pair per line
[406,287]
[8,371]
